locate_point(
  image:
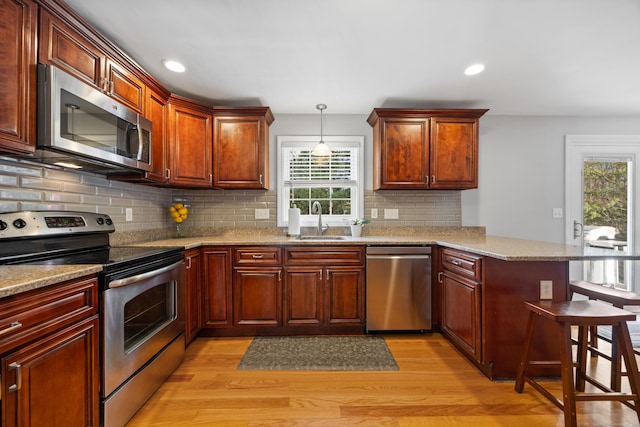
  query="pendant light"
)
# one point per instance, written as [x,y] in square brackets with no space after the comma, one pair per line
[321,149]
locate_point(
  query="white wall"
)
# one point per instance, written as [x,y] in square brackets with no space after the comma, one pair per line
[521,175]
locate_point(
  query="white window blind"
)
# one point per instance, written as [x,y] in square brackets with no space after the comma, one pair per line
[334,181]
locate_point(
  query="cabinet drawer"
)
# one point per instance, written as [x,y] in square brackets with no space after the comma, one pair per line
[36,313]
[257,256]
[325,255]
[462,263]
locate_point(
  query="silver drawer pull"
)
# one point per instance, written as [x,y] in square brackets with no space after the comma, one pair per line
[456,262]
[13,327]
[255,256]
[18,384]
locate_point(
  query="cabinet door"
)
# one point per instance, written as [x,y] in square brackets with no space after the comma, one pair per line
[156,111]
[454,153]
[217,302]
[257,296]
[303,301]
[63,47]
[18,76]
[240,152]
[55,381]
[193,294]
[403,154]
[125,87]
[461,319]
[189,147]
[344,295]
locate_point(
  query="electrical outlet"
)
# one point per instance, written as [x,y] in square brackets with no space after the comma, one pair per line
[546,289]
[128,213]
[262,214]
[391,214]
[557,213]
[374,213]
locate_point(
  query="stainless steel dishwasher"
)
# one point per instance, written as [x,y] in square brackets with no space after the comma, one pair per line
[398,288]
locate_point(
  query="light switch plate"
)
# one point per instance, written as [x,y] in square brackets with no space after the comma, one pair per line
[262,214]
[546,289]
[374,213]
[128,213]
[557,213]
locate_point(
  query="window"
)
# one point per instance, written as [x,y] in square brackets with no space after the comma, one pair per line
[336,181]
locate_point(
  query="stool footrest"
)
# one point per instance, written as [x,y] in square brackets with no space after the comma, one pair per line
[602,397]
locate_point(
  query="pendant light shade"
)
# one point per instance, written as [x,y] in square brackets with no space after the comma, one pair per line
[321,149]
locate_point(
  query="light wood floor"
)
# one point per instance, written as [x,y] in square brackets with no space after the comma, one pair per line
[435,386]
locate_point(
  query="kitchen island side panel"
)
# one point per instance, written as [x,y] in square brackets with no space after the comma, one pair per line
[507,285]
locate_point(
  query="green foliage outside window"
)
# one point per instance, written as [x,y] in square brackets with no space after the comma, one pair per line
[605,195]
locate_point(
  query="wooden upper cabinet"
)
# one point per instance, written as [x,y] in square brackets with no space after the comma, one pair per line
[18,75]
[125,87]
[241,147]
[67,49]
[189,141]
[425,149]
[157,112]
[453,153]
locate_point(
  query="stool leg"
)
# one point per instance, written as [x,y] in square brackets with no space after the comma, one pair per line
[524,360]
[566,366]
[583,343]
[624,341]
[616,360]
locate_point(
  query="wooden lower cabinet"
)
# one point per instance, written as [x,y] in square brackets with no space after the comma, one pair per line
[193,292]
[49,356]
[216,285]
[257,296]
[461,320]
[270,290]
[482,309]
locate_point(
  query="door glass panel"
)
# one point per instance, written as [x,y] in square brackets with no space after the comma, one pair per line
[606,219]
[147,313]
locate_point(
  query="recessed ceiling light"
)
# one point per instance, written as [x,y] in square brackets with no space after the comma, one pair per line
[174,66]
[474,69]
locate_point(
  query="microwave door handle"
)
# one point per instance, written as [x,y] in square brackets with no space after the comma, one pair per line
[133,129]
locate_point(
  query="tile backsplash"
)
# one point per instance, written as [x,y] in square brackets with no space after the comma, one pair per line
[31,186]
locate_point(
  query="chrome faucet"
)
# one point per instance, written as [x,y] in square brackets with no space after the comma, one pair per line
[317,209]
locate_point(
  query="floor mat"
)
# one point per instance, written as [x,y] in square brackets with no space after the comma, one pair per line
[634,332]
[334,353]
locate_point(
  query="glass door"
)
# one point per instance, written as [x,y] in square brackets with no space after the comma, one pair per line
[601,191]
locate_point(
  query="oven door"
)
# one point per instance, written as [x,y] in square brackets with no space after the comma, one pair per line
[141,314]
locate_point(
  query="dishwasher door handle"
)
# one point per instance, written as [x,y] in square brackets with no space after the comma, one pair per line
[398,256]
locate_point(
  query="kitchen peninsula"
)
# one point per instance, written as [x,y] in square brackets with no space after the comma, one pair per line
[504,273]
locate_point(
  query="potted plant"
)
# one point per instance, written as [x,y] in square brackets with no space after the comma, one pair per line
[356,226]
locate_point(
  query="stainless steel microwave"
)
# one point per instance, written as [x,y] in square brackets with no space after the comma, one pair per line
[80,127]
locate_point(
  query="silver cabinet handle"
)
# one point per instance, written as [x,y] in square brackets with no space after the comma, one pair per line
[256,256]
[456,262]
[18,384]
[12,327]
[260,178]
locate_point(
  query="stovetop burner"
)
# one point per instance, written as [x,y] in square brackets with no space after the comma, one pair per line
[63,238]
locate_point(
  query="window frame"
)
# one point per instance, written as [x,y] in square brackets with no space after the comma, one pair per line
[334,142]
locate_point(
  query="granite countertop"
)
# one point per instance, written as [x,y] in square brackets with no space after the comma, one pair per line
[16,279]
[504,248]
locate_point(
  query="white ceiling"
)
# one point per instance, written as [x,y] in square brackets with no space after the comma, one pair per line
[543,57]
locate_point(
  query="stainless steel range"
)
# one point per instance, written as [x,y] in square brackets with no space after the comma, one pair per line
[142,299]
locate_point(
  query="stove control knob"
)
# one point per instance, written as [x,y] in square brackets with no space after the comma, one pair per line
[3,225]
[100,221]
[108,220]
[19,223]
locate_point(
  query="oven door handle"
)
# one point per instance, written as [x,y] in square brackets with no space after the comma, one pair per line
[133,279]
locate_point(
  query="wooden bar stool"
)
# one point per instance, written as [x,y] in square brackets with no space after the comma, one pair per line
[617,298]
[583,314]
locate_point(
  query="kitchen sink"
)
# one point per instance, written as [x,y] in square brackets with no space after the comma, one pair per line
[321,238]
